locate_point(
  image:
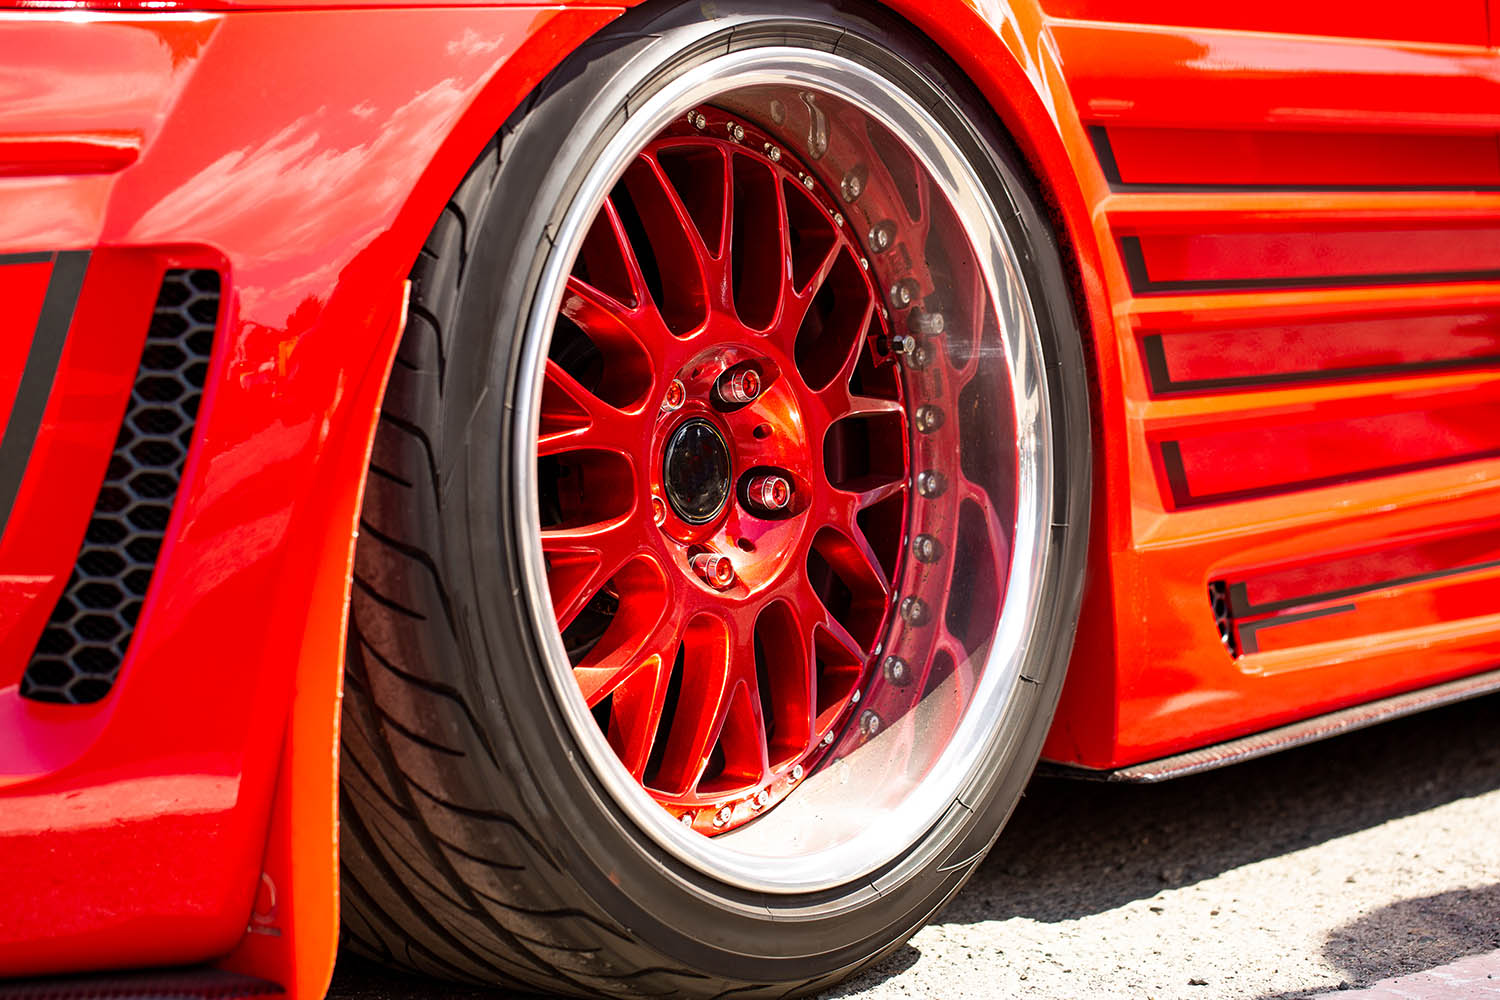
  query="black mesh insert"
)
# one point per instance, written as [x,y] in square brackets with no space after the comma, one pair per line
[85,641]
[1218,599]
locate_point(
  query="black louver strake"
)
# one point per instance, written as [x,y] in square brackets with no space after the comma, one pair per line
[1218,600]
[85,641]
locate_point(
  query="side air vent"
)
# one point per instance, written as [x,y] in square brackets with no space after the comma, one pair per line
[85,641]
[1218,600]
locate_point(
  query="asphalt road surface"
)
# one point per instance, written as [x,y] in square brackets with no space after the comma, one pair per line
[1337,866]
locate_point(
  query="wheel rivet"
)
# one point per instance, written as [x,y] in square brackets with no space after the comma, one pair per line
[854,698]
[864,263]
[928,419]
[917,359]
[716,570]
[769,493]
[927,549]
[895,670]
[796,774]
[722,816]
[914,611]
[697,120]
[739,387]
[774,152]
[881,236]
[762,798]
[929,324]
[828,738]
[838,219]
[903,343]
[687,820]
[658,510]
[853,184]
[674,397]
[869,723]
[903,293]
[807,181]
[931,484]
[736,131]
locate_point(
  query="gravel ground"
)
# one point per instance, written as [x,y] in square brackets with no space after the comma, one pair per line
[1341,864]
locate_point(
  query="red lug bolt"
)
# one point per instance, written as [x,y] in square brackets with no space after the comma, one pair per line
[770,493]
[740,387]
[716,570]
[675,396]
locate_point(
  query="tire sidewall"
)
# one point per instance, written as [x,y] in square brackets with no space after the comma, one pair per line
[665,904]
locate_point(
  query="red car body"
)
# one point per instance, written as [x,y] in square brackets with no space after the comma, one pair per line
[1284,225]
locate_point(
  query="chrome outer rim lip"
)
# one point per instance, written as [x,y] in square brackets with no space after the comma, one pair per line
[981,728]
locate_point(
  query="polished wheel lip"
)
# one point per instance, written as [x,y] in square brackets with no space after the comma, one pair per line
[817,71]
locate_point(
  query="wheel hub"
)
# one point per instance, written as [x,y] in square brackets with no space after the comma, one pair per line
[696,471]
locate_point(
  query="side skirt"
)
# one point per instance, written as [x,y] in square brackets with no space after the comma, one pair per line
[1321,727]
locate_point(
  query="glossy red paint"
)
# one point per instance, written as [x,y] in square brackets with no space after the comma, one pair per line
[1252,161]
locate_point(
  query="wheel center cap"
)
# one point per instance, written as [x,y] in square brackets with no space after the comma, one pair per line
[695,471]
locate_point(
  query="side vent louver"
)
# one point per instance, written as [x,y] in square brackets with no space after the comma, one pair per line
[86,639]
[1218,600]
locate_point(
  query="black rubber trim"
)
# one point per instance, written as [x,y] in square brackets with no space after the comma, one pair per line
[1099,139]
[1183,496]
[1249,631]
[166,984]
[1321,727]
[1240,606]
[1163,384]
[1141,283]
[34,257]
[41,369]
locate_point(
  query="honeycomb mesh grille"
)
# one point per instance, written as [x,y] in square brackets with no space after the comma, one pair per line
[85,641]
[1218,599]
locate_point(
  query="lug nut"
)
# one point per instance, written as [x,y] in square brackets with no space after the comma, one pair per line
[769,493]
[739,387]
[716,570]
[927,549]
[658,510]
[674,397]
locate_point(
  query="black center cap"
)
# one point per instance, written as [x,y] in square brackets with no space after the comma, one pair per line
[696,471]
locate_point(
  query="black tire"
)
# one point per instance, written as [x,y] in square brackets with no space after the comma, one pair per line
[477,844]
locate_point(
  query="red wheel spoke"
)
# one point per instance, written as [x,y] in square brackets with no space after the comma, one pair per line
[702,705]
[582,559]
[574,419]
[875,494]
